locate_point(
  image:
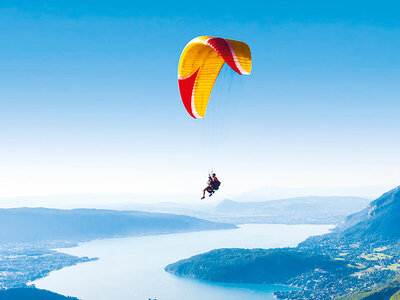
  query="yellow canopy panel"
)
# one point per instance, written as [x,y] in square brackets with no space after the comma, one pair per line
[199,66]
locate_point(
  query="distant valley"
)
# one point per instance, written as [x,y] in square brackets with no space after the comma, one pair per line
[296,210]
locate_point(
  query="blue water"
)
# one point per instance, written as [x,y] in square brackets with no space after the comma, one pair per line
[133,268]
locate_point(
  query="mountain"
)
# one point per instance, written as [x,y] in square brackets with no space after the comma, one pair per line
[295,210]
[42,224]
[378,223]
[266,193]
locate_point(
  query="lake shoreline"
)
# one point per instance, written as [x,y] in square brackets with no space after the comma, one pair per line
[147,255]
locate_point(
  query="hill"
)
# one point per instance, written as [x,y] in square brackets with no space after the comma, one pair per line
[390,291]
[31,294]
[253,265]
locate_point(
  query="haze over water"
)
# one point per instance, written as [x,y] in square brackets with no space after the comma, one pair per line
[133,268]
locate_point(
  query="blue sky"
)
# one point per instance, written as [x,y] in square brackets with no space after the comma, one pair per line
[89,100]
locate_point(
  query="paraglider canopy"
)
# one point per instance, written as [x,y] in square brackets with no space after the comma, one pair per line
[199,66]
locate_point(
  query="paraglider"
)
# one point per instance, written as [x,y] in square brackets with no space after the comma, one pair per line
[208,188]
[213,185]
[199,66]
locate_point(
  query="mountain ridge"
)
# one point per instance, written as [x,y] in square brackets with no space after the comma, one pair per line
[46,224]
[378,223]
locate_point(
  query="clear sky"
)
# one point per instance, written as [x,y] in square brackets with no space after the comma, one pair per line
[89,100]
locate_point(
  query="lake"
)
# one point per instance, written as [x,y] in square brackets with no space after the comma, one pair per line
[133,268]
